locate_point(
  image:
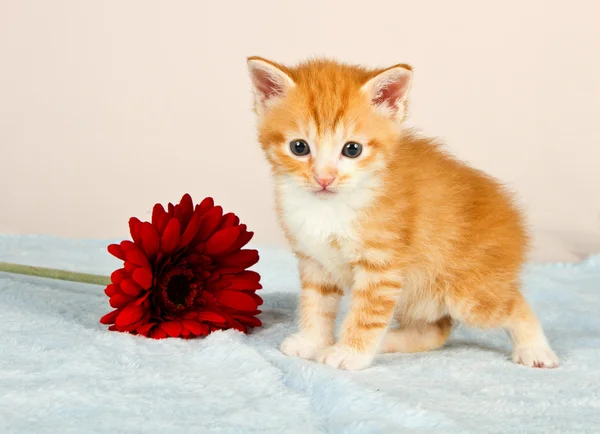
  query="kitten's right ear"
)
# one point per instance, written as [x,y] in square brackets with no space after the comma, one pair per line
[269,81]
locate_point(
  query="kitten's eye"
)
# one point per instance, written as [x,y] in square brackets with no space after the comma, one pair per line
[299,147]
[352,150]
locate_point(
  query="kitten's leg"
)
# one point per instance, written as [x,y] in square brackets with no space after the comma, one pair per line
[415,339]
[492,307]
[374,299]
[319,302]
[530,346]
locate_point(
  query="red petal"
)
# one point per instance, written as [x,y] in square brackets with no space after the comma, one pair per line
[236,300]
[111,290]
[150,239]
[248,320]
[129,287]
[243,285]
[185,333]
[116,251]
[218,285]
[244,282]
[205,205]
[127,245]
[256,298]
[231,270]
[158,333]
[157,212]
[250,276]
[137,257]
[143,330]
[215,275]
[170,237]
[119,275]
[206,297]
[143,277]
[129,267]
[238,326]
[229,220]
[242,240]
[110,317]
[160,218]
[191,230]
[120,300]
[209,224]
[221,241]
[171,209]
[132,328]
[135,226]
[195,327]
[184,210]
[241,258]
[172,328]
[113,328]
[129,315]
[253,313]
[143,298]
[211,317]
[194,259]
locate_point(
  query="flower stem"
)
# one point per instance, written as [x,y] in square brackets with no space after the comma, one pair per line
[52,273]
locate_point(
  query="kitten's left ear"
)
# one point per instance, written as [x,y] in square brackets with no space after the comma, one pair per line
[388,90]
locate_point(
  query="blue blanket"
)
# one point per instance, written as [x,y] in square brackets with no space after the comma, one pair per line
[62,372]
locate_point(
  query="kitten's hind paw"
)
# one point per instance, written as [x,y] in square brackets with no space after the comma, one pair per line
[536,357]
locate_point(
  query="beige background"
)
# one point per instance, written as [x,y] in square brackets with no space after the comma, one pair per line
[107,107]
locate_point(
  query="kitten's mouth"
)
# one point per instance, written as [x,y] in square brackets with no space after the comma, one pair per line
[323,192]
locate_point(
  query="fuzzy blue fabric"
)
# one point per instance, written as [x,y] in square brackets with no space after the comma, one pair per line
[63,372]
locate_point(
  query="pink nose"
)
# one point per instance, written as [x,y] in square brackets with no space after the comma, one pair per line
[325,182]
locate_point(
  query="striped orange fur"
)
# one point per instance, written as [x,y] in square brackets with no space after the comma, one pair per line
[375,211]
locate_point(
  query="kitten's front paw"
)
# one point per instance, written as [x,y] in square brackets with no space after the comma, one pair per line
[536,357]
[298,345]
[341,357]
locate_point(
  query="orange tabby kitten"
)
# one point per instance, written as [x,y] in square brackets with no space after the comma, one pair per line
[373,210]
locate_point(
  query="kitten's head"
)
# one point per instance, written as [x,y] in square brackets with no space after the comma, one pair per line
[328,128]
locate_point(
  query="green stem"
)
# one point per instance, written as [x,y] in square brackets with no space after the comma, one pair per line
[52,273]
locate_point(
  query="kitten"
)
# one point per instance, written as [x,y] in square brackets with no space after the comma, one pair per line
[373,210]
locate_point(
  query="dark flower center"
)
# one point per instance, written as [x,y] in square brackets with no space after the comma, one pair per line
[178,289]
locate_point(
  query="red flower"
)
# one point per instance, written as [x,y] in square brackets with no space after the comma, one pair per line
[184,274]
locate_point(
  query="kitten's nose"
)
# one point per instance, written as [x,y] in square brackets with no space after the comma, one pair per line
[325,181]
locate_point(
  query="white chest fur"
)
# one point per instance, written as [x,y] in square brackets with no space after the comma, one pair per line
[325,228]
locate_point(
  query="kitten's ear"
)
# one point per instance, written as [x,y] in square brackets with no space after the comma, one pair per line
[269,81]
[388,90]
